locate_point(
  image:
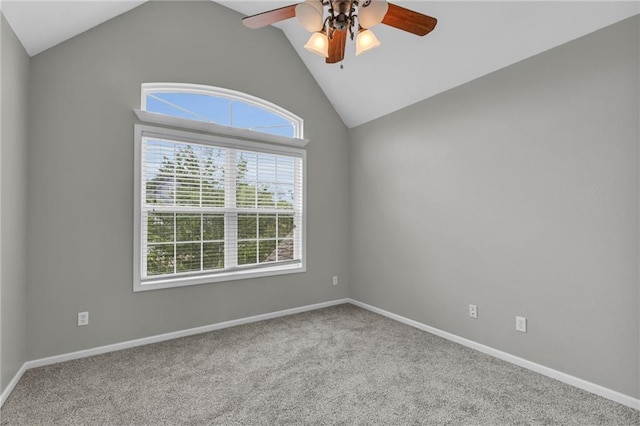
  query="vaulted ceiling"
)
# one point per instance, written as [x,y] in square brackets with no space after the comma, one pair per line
[472,39]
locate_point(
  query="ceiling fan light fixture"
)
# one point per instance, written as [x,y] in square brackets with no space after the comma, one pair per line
[340,20]
[371,12]
[310,15]
[366,41]
[318,43]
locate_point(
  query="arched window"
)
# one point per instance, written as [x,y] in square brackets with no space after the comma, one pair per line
[220,106]
[219,187]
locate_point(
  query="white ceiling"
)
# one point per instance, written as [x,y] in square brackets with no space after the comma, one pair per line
[42,24]
[472,38]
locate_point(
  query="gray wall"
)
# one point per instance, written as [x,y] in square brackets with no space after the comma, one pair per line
[15,72]
[517,192]
[80,197]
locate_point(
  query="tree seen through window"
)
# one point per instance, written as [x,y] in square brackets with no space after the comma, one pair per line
[187,176]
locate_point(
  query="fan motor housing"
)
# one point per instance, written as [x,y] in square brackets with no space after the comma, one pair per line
[342,10]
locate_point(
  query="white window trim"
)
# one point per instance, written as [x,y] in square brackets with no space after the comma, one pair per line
[142,131]
[220,92]
[168,127]
[218,129]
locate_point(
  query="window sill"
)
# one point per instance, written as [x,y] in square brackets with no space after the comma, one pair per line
[170,282]
[217,129]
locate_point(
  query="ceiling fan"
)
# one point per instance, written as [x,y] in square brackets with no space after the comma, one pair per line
[329,35]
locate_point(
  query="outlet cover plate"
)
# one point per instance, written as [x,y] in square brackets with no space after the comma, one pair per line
[473,311]
[83,318]
[521,324]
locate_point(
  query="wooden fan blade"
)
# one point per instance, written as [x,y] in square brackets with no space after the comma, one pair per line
[336,46]
[408,20]
[270,17]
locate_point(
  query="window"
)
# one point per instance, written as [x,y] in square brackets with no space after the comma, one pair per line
[211,207]
[221,106]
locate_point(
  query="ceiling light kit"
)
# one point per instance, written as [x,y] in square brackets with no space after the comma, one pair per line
[329,34]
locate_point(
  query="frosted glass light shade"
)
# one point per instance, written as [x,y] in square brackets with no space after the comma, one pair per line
[373,13]
[319,44]
[365,41]
[309,14]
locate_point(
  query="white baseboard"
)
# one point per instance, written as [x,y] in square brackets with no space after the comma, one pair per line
[521,362]
[159,338]
[12,384]
[546,371]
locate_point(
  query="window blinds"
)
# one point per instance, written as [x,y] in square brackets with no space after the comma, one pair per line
[207,209]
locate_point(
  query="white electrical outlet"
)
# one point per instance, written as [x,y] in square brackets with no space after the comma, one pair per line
[83,318]
[521,324]
[473,311]
[335,280]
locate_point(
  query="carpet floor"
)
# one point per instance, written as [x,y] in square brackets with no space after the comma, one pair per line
[339,365]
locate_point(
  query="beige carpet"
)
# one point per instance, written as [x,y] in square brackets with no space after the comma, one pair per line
[340,365]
